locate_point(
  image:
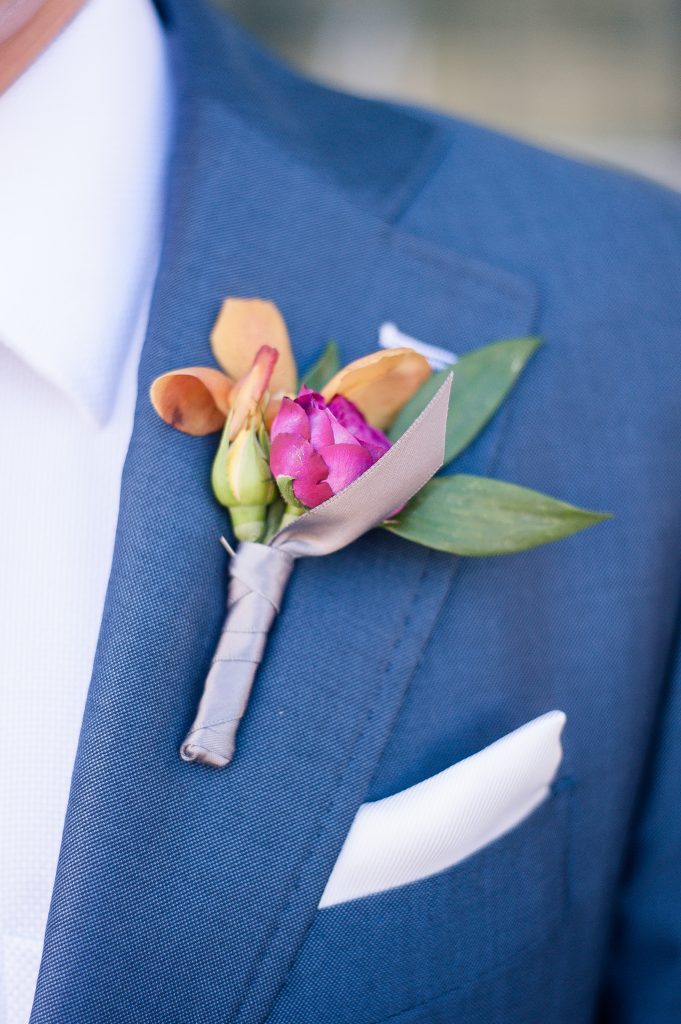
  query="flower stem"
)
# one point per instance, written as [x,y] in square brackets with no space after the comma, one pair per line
[291,513]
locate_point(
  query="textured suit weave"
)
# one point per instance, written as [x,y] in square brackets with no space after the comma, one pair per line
[190,895]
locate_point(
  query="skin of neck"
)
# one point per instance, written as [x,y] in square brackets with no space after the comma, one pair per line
[27,27]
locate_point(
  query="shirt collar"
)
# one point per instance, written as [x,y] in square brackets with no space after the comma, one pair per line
[85,135]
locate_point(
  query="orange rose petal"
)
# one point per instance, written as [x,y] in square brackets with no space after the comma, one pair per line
[241,329]
[249,392]
[194,400]
[381,383]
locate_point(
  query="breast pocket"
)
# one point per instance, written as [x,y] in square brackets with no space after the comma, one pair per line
[372,958]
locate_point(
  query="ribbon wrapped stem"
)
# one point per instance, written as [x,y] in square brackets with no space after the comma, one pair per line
[259,573]
[258,578]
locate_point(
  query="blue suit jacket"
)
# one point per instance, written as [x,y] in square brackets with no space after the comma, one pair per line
[188,896]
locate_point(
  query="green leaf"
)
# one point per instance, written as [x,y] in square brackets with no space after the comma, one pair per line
[285,485]
[324,369]
[473,515]
[482,380]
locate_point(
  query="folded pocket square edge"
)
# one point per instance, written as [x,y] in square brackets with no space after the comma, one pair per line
[441,821]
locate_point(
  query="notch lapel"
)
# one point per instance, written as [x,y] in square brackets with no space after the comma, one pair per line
[183,893]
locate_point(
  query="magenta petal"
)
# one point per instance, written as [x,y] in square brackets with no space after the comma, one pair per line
[349,416]
[290,455]
[311,494]
[290,419]
[321,427]
[340,434]
[309,400]
[293,456]
[346,412]
[345,462]
[376,449]
[313,469]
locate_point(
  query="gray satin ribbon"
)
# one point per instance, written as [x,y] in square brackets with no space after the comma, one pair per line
[259,573]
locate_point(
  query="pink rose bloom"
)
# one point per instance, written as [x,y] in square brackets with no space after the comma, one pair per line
[322,448]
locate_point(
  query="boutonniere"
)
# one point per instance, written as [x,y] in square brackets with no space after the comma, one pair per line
[307,466]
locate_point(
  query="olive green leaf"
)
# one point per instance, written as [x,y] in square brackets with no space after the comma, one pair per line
[482,380]
[285,485]
[324,369]
[473,515]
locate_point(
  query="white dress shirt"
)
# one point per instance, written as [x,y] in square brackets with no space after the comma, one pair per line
[84,139]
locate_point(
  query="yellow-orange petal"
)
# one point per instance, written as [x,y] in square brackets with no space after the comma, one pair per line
[381,383]
[194,400]
[249,392]
[243,326]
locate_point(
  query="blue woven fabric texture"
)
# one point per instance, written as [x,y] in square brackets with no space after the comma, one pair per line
[190,895]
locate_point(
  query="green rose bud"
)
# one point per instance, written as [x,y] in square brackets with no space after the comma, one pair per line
[243,482]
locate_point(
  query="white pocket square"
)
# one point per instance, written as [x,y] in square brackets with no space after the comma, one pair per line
[444,819]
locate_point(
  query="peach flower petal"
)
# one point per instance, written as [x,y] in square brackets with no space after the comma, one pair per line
[243,326]
[381,383]
[194,400]
[249,392]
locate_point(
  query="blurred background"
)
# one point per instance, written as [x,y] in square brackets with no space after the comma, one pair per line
[598,78]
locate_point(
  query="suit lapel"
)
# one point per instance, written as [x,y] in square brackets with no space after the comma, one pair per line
[184,893]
